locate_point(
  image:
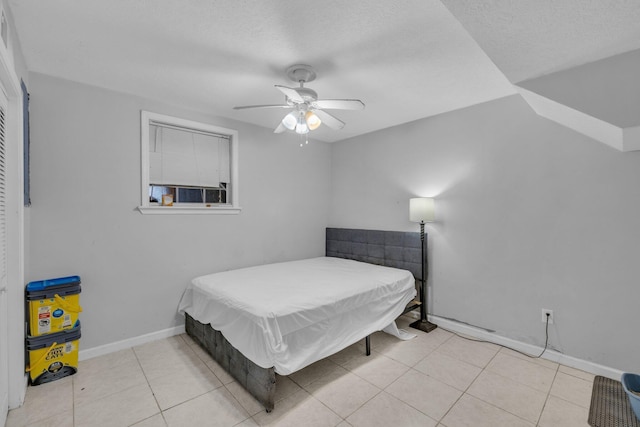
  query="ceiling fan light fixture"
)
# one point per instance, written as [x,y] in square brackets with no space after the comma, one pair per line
[312,120]
[308,111]
[301,126]
[290,121]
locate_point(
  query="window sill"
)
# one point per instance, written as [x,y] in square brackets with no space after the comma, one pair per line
[188,210]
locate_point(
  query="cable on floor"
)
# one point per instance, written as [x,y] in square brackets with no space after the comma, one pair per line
[546,341]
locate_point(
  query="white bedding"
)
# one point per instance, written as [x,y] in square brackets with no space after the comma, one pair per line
[289,315]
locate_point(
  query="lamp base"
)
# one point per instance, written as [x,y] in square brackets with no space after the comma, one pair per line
[423,325]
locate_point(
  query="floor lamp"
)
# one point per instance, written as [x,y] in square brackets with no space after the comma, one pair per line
[422,209]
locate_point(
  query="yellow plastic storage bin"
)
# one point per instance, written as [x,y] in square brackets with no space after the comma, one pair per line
[54,356]
[53,305]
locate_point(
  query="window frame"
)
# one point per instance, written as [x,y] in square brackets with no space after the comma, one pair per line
[146,119]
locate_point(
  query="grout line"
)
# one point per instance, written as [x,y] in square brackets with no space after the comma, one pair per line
[546,400]
[148,383]
[470,384]
[380,390]
[73,399]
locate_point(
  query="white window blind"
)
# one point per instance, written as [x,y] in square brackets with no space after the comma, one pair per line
[187,157]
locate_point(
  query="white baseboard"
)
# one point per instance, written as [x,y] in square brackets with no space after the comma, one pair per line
[129,342]
[451,325]
[551,355]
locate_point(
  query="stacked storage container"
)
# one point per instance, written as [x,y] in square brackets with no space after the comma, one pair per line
[53,328]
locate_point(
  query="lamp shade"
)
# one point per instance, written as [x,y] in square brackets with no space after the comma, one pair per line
[290,121]
[313,121]
[422,209]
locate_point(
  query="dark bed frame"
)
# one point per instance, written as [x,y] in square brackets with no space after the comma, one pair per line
[389,248]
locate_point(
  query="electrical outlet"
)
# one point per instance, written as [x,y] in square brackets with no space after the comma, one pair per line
[546,311]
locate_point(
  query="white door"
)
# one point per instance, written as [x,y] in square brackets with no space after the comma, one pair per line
[4,351]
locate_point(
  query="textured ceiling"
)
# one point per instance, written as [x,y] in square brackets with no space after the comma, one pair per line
[406,59]
[529,38]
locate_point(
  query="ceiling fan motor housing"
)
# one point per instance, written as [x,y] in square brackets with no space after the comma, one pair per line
[301,73]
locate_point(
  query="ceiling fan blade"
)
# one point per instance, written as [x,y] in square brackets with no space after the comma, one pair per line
[329,120]
[245,107]
[290,93]
[280,128]
[339,104]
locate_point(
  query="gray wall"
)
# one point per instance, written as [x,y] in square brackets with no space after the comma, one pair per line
[607,89]
[86,186]
[531,215]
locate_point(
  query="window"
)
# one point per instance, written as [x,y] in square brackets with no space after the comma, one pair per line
[187,167]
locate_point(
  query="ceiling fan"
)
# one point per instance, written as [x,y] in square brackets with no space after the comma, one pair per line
[307,110]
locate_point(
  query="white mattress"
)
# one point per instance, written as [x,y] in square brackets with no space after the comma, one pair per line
[289,315]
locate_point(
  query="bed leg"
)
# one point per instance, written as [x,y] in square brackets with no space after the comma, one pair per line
[367,343]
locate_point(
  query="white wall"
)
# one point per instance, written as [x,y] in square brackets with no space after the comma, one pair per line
[531,215]
[85,172]
[608,89]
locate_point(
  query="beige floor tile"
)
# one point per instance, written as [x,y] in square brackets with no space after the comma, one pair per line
[248,402]
[285,387]
[299,409]
[537,360]
[424,393]
[64,419]
[124,408]
[345,356]
[435,337]
[522,371]
[89,386]
[155,421]
[172,346]
[43,401]
[378,369]
[449,370]
[188,340]
[199,351]
[577,373]
[313,372]
[409,352]
[221,373]
[381,340]
[509,395]
[113,390]
[342,392]
[15,418]
[385,410]
[218,408]
[156,360]
[107,362]
[558,412]
[475,353]
[183,384]
[572,389]
[166,345]
[472,412]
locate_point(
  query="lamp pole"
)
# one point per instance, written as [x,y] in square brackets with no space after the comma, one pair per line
[423,324]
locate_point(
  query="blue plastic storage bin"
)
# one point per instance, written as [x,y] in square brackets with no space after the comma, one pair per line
[631,384]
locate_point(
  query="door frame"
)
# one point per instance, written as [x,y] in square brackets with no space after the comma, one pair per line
[17,380]
[4,318]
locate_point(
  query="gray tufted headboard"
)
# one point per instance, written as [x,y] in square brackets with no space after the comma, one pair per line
[397,249]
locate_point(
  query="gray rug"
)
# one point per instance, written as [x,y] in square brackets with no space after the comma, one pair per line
[610,405]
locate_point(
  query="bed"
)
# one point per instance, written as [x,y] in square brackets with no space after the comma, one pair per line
[279,318]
